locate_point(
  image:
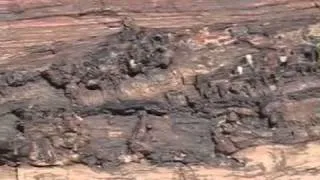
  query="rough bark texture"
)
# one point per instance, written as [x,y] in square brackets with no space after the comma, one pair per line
[129,85]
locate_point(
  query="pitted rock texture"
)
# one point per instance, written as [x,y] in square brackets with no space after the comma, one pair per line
[76,112]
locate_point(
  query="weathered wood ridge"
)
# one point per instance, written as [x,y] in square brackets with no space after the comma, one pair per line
[159,89]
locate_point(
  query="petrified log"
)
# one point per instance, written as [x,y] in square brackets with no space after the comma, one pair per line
[109,84]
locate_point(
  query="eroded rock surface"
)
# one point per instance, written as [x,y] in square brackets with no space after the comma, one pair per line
[163,98]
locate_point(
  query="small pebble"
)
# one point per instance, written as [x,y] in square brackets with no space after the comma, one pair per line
[129,158]
[132,63]
[283,59]
[240,70]
[125,158]
[93,84]
[75,157]
[273,87]
[78,117]
[249,59]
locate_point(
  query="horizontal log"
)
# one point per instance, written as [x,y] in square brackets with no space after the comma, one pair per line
[133,84]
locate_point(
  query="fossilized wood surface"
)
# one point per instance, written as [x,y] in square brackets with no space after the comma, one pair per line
[265,162]
[187,87]
[34,32]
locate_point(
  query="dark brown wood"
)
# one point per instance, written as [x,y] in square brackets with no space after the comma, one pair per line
[30,29]
[68,97]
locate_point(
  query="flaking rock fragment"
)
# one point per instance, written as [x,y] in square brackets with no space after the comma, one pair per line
[134,68]
[256,29]
[58,75]
[274,119]
[310,52]
[93,84]
[103,152]
[132,106]
[176,98]
[107,139]
[173,139]
[236,89]
[16,79]
[7,131]
[146,51]
[238,31]
[42,153]
[227,128]
[90,160]
[158,109]
[290,135]
[69,140]
[222,89]
[163,56]
[232,117]
[139,142]
[90,71]
[223,144]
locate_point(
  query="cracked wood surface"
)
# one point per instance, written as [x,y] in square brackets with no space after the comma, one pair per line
[34,33]
[276,162]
